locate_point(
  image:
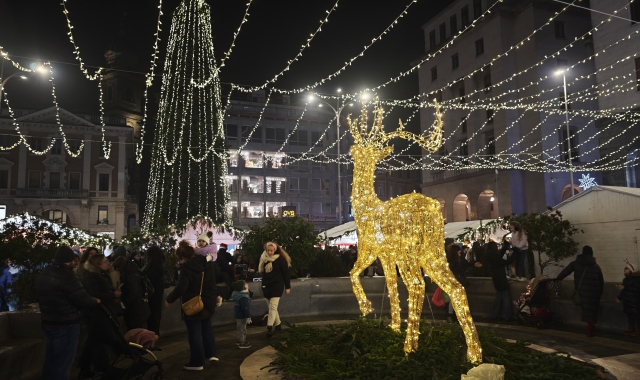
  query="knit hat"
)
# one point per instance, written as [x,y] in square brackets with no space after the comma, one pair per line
[223,245]
[239,285]
[587,250]
[203,236]
[64,254]
[119,251]
[629,266]
[448,241]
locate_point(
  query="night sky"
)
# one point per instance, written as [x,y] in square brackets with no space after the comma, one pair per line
[274,33]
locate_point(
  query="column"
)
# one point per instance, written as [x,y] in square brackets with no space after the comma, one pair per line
[86,165]
[120,220]
[122,157]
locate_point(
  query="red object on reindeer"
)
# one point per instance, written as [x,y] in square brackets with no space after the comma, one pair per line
[438,298]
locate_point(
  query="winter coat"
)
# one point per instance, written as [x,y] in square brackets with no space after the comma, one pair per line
[591,287]
[520,240]
[275,282]
[61,296]
[189,286]
[6,279]
[98,285]
[496,266]
[133,296]
[223,260]
[209,250]
[630,295]
[154,270]
[242,302]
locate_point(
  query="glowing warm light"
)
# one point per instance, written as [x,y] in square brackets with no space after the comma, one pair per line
[492,199]
[23,77]
[412,224]
[559,72]
[339,90]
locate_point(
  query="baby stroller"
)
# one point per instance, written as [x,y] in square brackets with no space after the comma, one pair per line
[127,360]
[533,306]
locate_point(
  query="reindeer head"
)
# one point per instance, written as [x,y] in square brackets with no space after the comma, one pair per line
[371,144]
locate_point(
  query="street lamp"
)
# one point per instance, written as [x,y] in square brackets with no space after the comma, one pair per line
[3,81]
[337,110]
[566,113]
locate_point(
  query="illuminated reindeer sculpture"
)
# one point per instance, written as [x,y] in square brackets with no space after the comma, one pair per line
[407,231]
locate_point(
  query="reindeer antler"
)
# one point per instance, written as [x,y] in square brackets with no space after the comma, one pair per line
[431,143]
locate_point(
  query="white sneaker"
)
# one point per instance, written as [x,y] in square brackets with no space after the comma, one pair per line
[213,359]
[189,367]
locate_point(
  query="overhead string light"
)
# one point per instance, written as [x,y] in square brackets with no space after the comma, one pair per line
[76,49]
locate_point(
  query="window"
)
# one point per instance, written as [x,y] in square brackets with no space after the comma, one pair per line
[299,138]
[275,135]
[461,94]
[231,132]
[477,9]
[56,215]
[434,73]
[489,116]
[34,179]
[443,33]
[562,64]
[432,39]
[453,25]
[128,95]
[54,180]
[57,147]
[103,182]
[463,125]
[559,28]
[464,17]
[491,145]
[316,208]
[299,184]
[315,136]
[454,61]
[3,211]
[487,83]
[479,47]
[74,181]
[638,73]
[74,145]
[574,143]
[464,150]
[35,143]
[103,214]
[634,10]
[108,93]
[316,184]
[256,137]
[4,179]
[439,96]
[5,141]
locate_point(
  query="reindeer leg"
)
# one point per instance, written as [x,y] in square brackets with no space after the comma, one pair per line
[415,285]
[391,277]
[365,259]
[439,271]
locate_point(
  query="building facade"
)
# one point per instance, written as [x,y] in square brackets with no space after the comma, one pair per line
[481,123]
[620,67]
[88,191]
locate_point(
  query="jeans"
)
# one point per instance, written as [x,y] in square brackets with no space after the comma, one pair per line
[201,342]
[61,346]
[503,298]
[634,320]
[520,267]
[241,326]
[274,317]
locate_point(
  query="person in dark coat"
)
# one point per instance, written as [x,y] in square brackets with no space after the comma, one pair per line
[588,280]
[154,270]
[496,264]
[134,297]
[457,266]
[195,274]
[274,267]
[630,297]
[6,279]
[224,261]
[61,296]
[98,284]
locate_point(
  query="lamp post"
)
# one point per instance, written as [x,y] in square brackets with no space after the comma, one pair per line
[566,113]
[3,81]
[337,110]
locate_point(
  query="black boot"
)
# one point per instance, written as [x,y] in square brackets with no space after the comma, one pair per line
[269,334]
[278,328]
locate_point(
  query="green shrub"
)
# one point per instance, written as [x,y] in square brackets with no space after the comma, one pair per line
[327,264]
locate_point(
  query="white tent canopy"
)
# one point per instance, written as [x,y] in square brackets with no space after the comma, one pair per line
[452,230]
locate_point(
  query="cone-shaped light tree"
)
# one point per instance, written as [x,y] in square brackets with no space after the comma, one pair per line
[189,161]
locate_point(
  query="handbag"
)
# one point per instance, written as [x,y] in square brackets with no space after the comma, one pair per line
[576,294]
[194,305]
[438,298]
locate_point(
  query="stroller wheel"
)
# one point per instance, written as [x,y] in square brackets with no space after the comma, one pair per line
[157,376]
[539,324]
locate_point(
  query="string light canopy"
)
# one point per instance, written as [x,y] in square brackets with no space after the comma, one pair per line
[189,161]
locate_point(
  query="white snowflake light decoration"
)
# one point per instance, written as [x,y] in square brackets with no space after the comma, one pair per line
[587,181]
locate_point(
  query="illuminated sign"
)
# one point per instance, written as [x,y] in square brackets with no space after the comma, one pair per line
[288,211]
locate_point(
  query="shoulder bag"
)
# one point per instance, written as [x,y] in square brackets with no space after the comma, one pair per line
[576,292]
[194,305]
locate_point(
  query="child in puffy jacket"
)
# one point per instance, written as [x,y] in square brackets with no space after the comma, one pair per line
[204,246]
[630,297]
[242,310]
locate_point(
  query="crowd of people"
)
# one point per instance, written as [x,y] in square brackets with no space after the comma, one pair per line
[82,290]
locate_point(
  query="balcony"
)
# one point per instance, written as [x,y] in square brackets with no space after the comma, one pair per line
[103,222]
[131,198]
[52,193]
